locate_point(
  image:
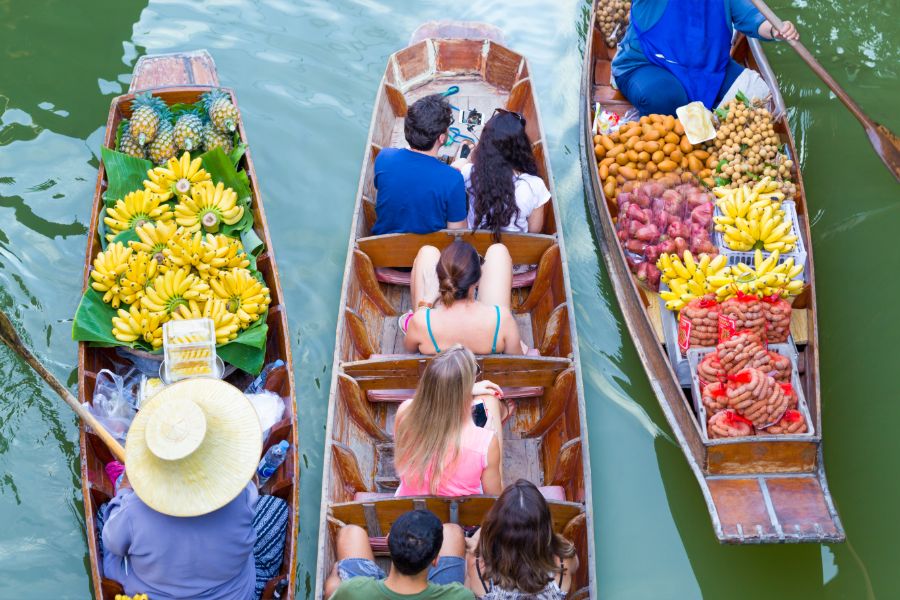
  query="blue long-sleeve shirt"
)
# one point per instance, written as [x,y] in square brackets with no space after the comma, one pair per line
[740,14]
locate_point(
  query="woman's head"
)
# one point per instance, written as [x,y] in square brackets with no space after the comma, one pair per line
[517,543]
[458,271]
[431,428]
[502,151]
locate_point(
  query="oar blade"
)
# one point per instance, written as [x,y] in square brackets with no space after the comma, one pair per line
[887,146]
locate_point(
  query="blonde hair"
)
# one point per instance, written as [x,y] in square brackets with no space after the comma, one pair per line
[431,429]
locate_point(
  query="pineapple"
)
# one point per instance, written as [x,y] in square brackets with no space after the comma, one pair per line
[221,111]
[213,138]
[129,145]
[147,113]
[188,131]
[162,148]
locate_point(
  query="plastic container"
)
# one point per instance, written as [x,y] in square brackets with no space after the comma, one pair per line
[748,258]
[273,459]
[189,350]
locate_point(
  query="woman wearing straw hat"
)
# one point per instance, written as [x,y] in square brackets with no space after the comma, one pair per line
[188,522]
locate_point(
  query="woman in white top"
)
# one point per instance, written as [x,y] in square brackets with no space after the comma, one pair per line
[504,189]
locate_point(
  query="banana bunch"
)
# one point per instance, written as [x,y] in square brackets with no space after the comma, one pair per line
[137,277]
[138,323]
[226,324]
[208,255]
[208,207]
[688,278]
[135,209]
[752,218]
[244,295]
[178,178]
[173,289]
[765,278]
[223,252]
[109,266]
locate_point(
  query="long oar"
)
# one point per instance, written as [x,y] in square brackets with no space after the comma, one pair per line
[886,145]
[11,338]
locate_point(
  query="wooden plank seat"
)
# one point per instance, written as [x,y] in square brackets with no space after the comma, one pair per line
[400,249]
[397,277]
[549,492]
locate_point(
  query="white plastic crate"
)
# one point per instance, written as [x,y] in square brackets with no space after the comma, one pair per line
[695,355]
[798,254]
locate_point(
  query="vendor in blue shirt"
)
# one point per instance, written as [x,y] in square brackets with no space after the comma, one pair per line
[417,191]
[678,51]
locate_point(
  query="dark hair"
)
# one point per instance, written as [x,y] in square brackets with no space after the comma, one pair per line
[518,545]
[503,149]
[426,120]
[458,269]
[415,541]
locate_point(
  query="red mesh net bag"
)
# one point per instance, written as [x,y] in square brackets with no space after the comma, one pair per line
[743,349]
[714,398]
[791,422]
[698,323]
[791,395]
[728,424]
[710,369]
[743,312]
[781,367]
[777,312]
[756,396]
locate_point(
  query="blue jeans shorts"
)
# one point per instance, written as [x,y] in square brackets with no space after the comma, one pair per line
[450,569]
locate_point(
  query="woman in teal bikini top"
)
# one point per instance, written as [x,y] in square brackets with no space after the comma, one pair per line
[464,301]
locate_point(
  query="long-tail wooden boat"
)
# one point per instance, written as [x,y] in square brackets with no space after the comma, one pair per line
[177,78]
[546,440]
[766,490]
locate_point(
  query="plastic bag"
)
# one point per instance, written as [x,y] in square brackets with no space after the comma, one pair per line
[743,312]
[777,312]
[728,424]
[269,408]
[757,397]
[698,323]
[115,400]
[742,350]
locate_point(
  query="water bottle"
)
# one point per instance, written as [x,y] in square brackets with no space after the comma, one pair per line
[271,461]
[257,384]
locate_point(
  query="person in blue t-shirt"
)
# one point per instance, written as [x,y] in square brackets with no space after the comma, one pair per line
[417,191]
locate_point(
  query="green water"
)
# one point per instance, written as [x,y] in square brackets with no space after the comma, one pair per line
[306,74]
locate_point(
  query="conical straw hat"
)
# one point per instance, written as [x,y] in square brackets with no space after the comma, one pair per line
[193,447]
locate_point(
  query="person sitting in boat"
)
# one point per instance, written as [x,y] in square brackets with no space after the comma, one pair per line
[186,520]
[515,554]
[439,449]
[427,562]
[504,189]
[677,51]
[417,191]
[443,288]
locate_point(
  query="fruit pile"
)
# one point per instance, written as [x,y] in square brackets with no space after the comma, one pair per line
[689,278]
[654,147]
[744,349]
[613,17]
[157,132]
[747,148]
[753,218]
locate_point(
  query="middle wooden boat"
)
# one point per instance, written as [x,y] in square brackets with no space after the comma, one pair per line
[545,441]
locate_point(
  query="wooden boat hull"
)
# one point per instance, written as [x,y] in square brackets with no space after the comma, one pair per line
[546,440]
[182,78]
[760,491]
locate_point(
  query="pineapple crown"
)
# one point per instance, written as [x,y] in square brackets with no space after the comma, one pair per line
[210,97]
[151,101]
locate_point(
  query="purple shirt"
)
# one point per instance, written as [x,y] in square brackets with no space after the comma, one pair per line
[205,557]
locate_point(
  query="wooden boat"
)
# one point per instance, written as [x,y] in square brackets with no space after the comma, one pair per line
[177,78]
[765,490]
[546,439]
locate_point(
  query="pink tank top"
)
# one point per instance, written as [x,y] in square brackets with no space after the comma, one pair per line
[463,477]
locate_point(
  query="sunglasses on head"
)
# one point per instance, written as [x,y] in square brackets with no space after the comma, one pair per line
[503,111]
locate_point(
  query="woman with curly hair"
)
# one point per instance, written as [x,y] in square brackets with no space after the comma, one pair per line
[504,189]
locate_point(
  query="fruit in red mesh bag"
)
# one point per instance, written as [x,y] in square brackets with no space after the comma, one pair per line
[791,422]
[710,369]
[741,350]
[777,312]
[791,395]
[756,396]
[728,424]
[698,323]
[781,367]
[744,312]
[714,397]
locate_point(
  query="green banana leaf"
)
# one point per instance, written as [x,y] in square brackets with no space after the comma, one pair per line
[129,235]
[182,107]
[221,169]
[124,173]
[93,322]
[239,150]
[119,131]
[248,350]
[253,246]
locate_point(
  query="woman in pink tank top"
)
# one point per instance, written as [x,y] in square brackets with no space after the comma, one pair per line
[439,450]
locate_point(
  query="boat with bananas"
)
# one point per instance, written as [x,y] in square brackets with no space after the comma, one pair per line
[181,80]
[545,439]
[761,483]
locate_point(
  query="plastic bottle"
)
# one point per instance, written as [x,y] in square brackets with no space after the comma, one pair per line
[257,384]
[271,461]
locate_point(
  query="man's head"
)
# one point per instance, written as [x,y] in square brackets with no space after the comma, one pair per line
[426,121]
[414,541]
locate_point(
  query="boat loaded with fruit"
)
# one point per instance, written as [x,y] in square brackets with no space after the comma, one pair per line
[704,228]
[180,281]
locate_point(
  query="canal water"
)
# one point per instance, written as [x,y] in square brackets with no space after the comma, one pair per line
[305,74]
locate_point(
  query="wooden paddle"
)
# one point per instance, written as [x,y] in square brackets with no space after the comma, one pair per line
[885,143]
[11,338]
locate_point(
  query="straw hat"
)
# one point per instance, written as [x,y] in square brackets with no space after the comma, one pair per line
[193,447]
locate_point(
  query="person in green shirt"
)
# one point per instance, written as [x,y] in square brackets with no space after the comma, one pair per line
[427,562]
